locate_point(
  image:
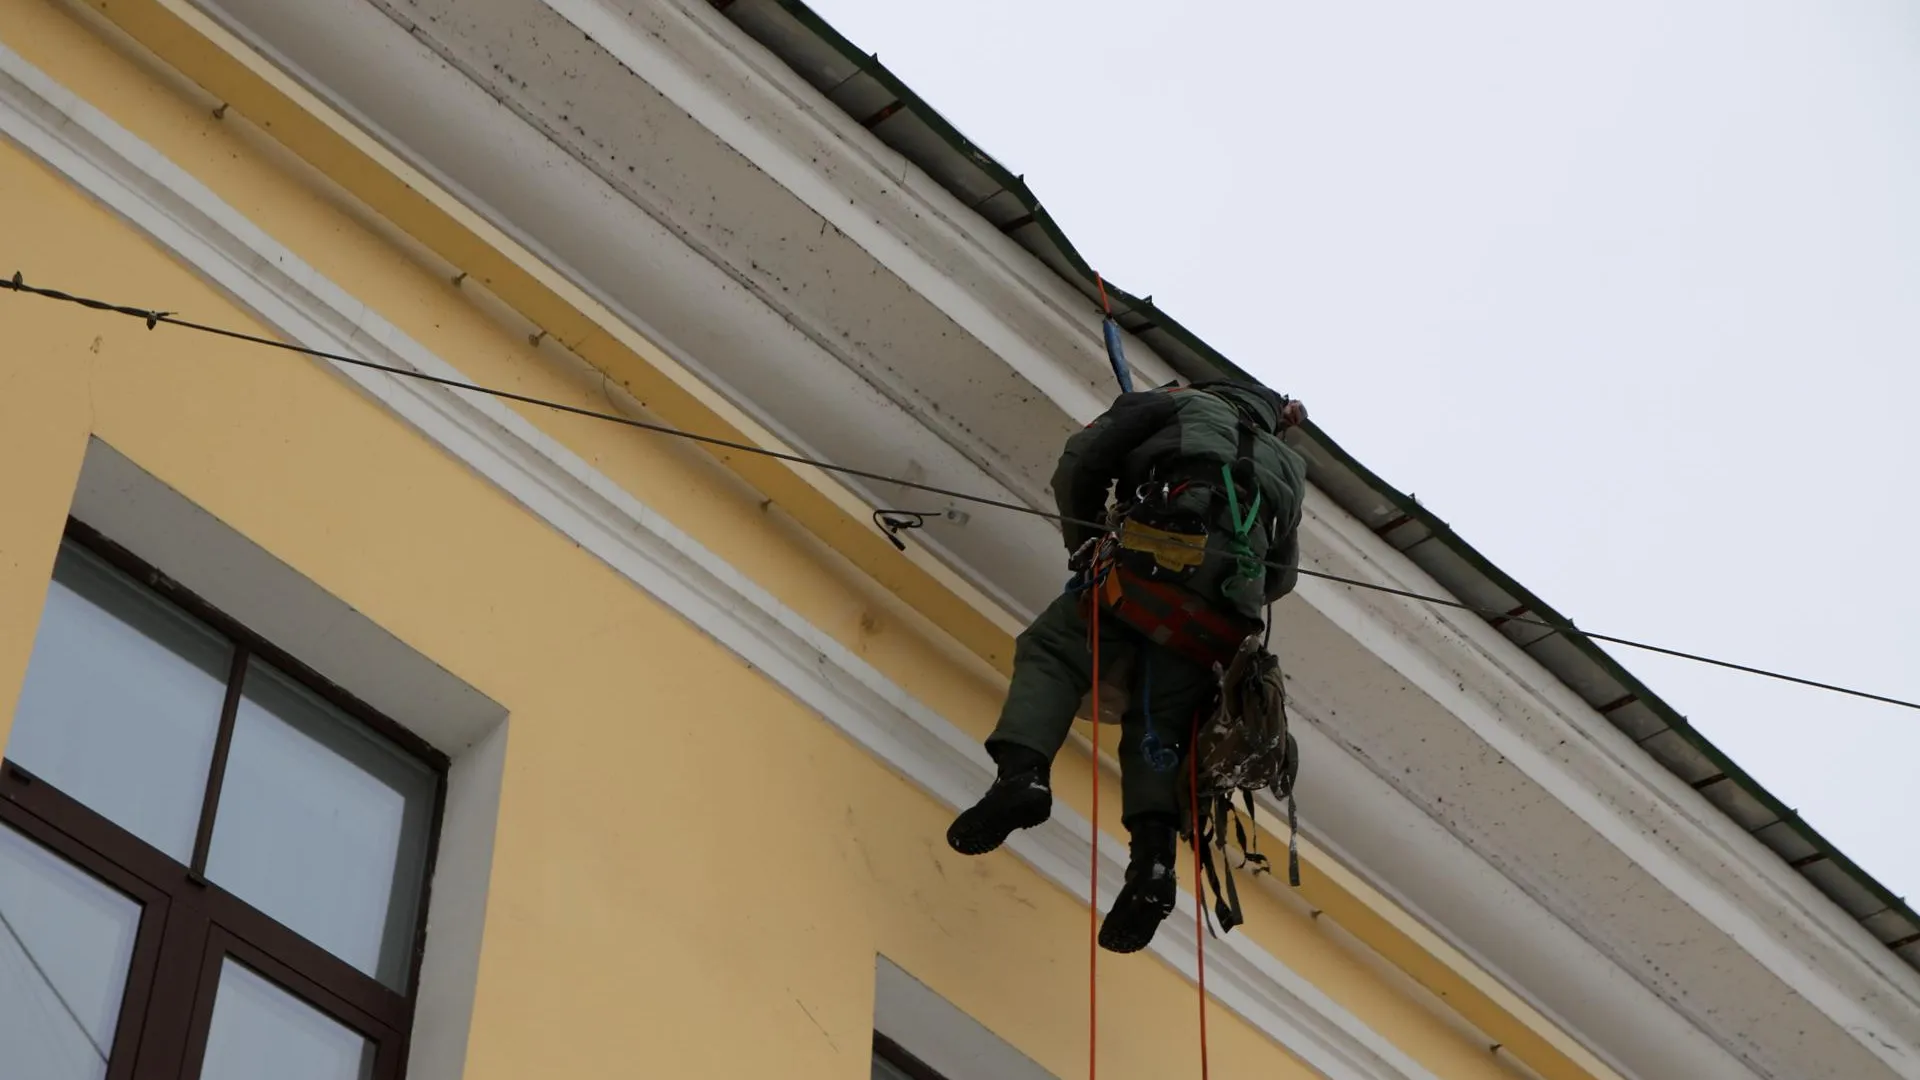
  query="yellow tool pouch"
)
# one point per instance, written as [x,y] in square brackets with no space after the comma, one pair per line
[1173,555]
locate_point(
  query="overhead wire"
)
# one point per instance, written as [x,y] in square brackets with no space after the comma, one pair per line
[154,318]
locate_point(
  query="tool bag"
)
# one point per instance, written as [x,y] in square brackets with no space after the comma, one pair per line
[1242,748]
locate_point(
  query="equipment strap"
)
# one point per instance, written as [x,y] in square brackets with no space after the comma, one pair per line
[1293,840]
[1242,525]
[1225,908]
[1213,880]
[1248,565]
[1173,616]
[1248,834]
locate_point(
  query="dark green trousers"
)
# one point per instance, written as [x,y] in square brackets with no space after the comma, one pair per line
[1052,671]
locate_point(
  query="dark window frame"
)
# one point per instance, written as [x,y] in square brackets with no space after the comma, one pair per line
[188,924]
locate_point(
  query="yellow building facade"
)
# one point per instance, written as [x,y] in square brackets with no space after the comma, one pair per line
[665,735]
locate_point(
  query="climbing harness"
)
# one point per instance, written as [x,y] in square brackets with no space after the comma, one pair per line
[1163,531]
[1162,554]
[1114,680]
[1246,563]
[1173,617]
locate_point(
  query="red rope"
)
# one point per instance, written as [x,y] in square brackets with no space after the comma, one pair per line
[1105,307]
[1093,885]
[1199,894]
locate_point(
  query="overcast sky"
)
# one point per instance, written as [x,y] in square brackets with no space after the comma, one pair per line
[1628,293]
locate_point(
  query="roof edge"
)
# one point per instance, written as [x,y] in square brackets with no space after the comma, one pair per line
[1585,667]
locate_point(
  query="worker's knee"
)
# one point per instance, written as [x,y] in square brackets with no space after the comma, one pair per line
[1057,638]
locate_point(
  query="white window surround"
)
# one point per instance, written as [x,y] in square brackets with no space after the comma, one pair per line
[936,1031]
[173,209]
[205,556]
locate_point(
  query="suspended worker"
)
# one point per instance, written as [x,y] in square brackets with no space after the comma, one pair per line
[1203,539]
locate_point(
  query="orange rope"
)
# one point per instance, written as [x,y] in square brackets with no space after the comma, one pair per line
[1101,282]
[1093,885]
[1199,894]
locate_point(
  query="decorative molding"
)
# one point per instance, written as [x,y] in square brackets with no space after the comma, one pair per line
[650,257]
[182,215]
[984,280]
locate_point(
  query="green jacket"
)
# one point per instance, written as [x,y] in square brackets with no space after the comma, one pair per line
[1190,434]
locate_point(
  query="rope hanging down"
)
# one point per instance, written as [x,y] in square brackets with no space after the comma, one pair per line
[1093,881]
[1116,357]
[161,318]
[1199,903]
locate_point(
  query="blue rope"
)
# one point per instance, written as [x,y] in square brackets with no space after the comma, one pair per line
[1160,758]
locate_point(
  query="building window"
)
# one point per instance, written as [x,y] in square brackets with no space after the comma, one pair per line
[891,1061]
[213,863]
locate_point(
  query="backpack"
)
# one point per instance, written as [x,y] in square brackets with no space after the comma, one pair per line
[1243,747]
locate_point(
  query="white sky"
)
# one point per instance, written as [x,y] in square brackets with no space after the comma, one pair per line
[1627,293]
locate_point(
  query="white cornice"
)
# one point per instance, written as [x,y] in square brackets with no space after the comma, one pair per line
[759,311]
[986,282]
[187,219]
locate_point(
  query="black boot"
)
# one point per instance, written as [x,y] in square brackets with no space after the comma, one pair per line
[1148,896]
[1020,798]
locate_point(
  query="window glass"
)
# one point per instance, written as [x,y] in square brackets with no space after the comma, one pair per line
[323,825]
[260,1030]
[66,939]
[122,702]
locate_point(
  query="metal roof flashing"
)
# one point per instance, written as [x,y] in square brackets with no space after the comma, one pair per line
[858,84]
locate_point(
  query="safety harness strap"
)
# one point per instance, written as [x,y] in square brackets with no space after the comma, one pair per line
[1174,617]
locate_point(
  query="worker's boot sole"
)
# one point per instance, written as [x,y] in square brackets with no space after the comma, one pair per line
[1143,904]
[1016,802]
